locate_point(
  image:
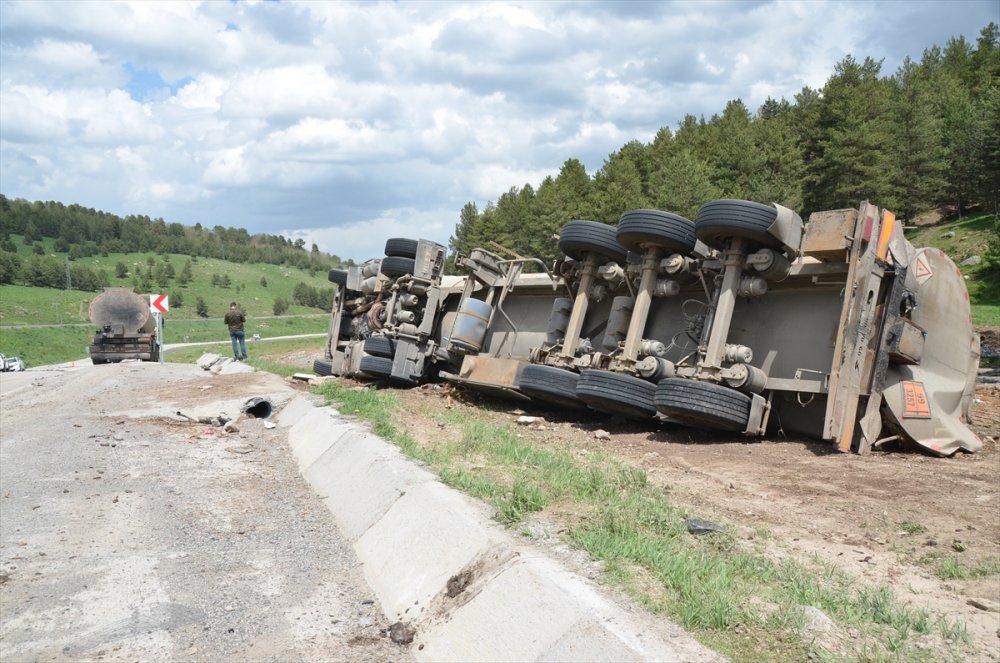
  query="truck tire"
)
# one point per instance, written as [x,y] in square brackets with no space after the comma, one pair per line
[550,384]
[397,265]
[338,276]
[401,247]
[579,237]
[322,367]
[380,346]
[616,393]
[377,367]
[703,404]
[721,220]
[653,227]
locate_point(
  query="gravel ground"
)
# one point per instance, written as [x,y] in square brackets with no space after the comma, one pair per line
[158,539]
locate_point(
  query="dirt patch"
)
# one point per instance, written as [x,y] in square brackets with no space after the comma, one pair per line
[989,341]
[187,393]
[889,518]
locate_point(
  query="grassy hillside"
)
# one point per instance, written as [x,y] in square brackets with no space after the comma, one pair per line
[961,239]
[67,310]
[21,305]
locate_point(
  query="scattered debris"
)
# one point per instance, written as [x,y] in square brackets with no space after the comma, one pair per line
[259,408]
[984,604]
[457,583]
[304,377]
[269,424]
[402,634]
[698,527]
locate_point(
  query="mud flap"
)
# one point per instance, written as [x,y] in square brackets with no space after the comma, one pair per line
[760,408]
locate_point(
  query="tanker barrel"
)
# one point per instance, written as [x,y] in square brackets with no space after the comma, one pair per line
[121,307]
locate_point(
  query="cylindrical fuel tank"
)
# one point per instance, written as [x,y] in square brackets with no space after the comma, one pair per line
[470,325]
[558,320]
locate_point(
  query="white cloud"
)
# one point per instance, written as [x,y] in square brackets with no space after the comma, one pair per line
[366,239]
[352,122]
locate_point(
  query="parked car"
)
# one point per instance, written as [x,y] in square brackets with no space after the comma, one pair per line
[13,364]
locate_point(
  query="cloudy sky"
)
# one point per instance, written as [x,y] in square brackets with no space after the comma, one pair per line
[347,123]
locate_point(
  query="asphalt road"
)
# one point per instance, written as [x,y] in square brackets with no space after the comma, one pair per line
[129,534]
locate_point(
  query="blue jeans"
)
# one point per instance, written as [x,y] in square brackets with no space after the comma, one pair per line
[241,351]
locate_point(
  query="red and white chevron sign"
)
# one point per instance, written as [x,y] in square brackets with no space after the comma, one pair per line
[159,304]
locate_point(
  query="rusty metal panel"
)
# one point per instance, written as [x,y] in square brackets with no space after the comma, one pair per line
[827,235]
[907,343]
[491,370]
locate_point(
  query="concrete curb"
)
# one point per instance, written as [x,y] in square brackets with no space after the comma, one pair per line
[437,561]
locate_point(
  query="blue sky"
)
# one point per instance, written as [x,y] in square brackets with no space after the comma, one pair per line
[347,123]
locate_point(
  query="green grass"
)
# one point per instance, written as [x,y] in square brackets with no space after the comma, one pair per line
[28,305]
[53,345]
[24,305]
[709,584]
[264,355]
[971,238]
[40,347]
[950,568]
[911,527]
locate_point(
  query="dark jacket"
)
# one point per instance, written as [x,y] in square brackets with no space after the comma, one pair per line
[235,319]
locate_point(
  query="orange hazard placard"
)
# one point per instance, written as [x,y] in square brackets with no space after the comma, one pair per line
[915,403]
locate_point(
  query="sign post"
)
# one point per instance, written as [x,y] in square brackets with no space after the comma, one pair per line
[159,304]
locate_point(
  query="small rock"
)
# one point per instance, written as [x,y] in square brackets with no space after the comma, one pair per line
[240,449]
[948,235]
[229,608]
[231,427]
[816,620]
[971,260]
[698,527]
[118,437]
[401,634]
[269,425]
[365,622]
[525,420]
[601,434]
[984,604]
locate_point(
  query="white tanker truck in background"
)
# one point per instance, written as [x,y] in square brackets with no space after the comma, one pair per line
[745,320]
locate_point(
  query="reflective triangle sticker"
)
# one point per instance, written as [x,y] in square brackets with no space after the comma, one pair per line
[922,268]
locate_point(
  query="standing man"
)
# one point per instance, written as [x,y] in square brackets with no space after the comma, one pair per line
[234,320]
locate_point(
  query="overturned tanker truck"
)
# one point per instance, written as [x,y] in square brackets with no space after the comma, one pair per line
[746,320]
